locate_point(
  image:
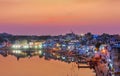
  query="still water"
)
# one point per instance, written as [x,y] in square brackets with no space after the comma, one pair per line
[36,66]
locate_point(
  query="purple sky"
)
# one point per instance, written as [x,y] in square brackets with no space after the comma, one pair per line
[43,17]
[55,30]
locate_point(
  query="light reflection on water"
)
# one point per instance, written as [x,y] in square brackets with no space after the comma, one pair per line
[35,66]
[21,53]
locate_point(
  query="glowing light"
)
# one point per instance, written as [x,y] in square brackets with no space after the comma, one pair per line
[109,60]
[95,52]
[63,58]
[71,47]
[17,51]
[58,56]
[13,46]
[40,46]
[63,45]
[31,43]
[40,52]
[16,46]
[82,34]
[36,47]
[104,51]
[25,47]
[58,45]
[56,49]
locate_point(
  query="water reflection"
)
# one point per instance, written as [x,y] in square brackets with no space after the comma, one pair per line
[47,54]
[36,66]
[3,53]
[22,53]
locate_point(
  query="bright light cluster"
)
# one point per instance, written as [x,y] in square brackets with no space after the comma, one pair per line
[16,46]
[40,52]
[26,47]
[17,51]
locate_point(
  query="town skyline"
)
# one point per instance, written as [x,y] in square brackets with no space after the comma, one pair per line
[65,33]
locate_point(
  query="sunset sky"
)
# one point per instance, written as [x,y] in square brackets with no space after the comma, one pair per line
[43,17]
